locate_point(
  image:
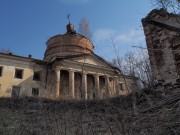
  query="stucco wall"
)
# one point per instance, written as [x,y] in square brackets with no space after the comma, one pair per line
[47,83]
[7,80]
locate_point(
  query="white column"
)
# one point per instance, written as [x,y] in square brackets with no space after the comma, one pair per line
[84,85]
[97,86]
[107,85]
[117,86]
[58,74]
[71,83]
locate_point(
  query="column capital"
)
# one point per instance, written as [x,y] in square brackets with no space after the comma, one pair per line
[84,72]
[97,74]
[71,70]
[57,69]
[108,76]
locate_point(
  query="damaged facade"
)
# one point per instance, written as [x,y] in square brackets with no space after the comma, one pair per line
[162,31]
[69,70]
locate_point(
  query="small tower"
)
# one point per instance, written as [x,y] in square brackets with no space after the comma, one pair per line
[70,28]
[68,44]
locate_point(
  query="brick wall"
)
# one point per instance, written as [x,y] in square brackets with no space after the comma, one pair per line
[161,29]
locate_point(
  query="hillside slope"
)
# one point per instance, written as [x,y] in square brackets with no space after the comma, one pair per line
[148,112]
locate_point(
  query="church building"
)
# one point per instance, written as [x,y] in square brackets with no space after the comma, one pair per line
[70,70]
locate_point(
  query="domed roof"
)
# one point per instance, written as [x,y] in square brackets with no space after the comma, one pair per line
[70,43]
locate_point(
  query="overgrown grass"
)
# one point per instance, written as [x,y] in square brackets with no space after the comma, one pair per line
[147,112]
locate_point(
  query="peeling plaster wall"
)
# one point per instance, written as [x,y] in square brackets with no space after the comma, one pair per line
[47,83]
[129,85]
[7,80]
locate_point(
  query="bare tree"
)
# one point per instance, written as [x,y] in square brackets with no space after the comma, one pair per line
[130,63]
[118,62]
[136,64]
[168,5]
[84,28]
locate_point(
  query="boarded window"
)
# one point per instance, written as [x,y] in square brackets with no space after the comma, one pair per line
[1,68]
[18,73]
[15,91]
[35,92]
[94,95]
[121,86]
[36,76]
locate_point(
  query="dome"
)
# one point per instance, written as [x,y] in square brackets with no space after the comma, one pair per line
[68,44]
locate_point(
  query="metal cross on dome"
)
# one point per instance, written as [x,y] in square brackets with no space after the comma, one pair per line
[68,17]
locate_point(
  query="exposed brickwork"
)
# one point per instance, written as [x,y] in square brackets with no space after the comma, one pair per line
[70,43]
[161,30]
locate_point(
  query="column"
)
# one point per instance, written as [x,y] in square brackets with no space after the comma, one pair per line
[107,85]
[71,83]
[58,73]
[84,85]
[97,86]
[117,86]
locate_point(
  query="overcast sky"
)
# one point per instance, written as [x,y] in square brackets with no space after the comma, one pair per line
[26,25]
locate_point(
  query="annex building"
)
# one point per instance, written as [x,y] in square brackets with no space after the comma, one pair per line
[69,70]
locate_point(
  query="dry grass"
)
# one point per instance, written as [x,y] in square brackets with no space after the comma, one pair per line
[148,112]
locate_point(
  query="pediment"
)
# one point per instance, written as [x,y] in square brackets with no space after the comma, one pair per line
[91,60]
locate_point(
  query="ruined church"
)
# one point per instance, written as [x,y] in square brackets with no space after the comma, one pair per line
[70,70]
[162,31]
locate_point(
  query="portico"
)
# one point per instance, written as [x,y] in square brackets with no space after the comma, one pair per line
[92,85]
